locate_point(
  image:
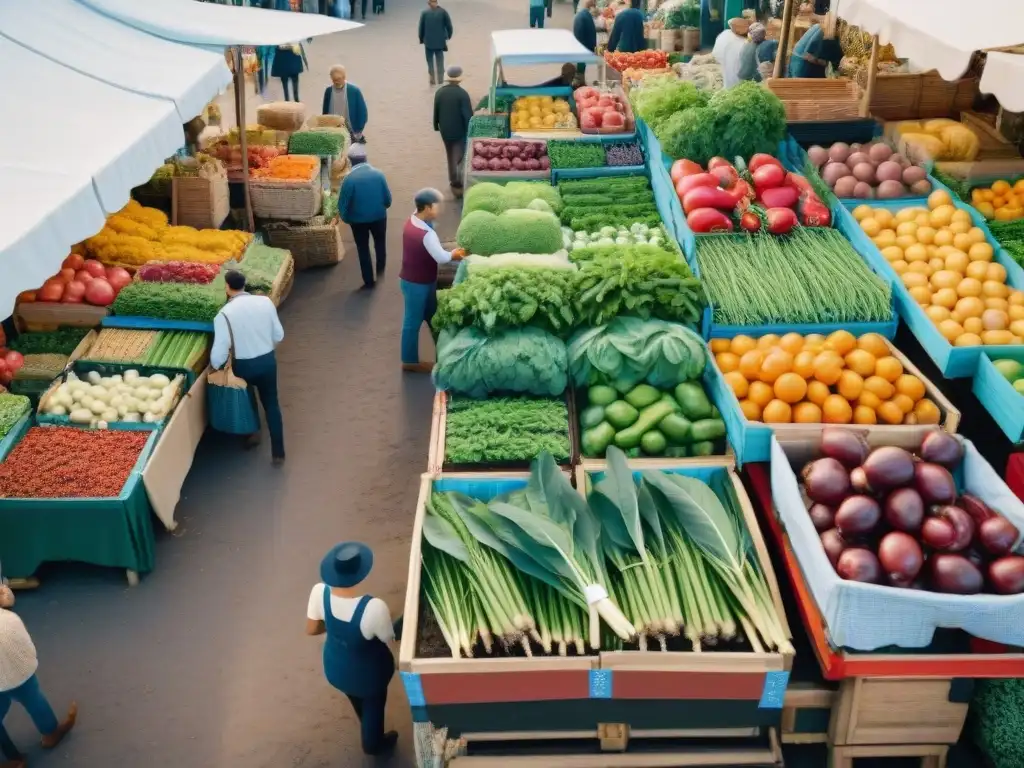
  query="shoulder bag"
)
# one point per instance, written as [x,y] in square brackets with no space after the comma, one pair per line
[230,401]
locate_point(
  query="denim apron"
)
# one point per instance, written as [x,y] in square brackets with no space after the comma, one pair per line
[352,664]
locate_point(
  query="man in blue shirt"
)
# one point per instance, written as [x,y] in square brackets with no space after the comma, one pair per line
[585,31]
[628,30]
[363,202]
[537,14]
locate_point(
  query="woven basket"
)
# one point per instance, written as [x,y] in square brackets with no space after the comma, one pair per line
[289,200]
[202,202]
[316,243]
[283,282]
[281,115]
[817,99]
[325,121]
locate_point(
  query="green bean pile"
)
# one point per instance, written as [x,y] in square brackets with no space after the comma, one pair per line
[811,276]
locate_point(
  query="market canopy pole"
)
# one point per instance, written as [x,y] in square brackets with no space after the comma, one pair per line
[243,142]
[865,107]
[787,22]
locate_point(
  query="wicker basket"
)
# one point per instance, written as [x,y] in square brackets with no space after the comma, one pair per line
[202,202]
[283,282]
[281,115]
[817,100]
[289,200]
[316,243]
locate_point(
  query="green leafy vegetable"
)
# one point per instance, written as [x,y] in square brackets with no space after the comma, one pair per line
[12,408]
[996,721]
[63,341]
[170,301]
[517,230]
[658,101]
[497,198]
[505,429]
[261,266]
[576,154]
[325,142]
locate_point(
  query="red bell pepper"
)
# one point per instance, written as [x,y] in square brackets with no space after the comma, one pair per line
[814,213]
[688,183]
[706,220]
[800,183]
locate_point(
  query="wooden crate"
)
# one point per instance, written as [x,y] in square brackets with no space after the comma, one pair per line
[202,202]
[993,145]
[49,315]
[817,99]
[806,713]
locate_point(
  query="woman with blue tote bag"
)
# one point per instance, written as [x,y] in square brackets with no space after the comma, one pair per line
[230,402]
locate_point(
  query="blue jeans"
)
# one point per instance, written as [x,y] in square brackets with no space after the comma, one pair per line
[8,748]
[420,305]
[536,16]
[31,697]
[261,372]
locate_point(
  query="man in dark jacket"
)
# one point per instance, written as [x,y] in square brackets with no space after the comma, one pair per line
[628,30]
[363,202]
[452,110]
[585,31]
[344,99]
[435,32]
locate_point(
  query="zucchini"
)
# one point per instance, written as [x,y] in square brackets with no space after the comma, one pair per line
[653,443]
[592,416]
[650,417]
[642,395]
[707,429]
[602,395]
[595,440]
[667,397]
[621,414]
[676,428]
[693,400]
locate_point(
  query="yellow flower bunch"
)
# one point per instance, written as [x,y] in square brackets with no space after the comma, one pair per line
[126,226]
[113,248]
[180,252]
[152,217]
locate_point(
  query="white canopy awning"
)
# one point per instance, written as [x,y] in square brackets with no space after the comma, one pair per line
[539,46]
[210,24]
[93,44]
[941,34]
[1004,78]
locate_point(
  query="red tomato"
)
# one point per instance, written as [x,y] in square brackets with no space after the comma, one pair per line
[99,292]
[73,261]
[51,291]
[66,275]
[118,277]
[687,183]
[716,162]
[14,360]
[74,289]
[82,276]
[681,168]
[761,159]
[94,268]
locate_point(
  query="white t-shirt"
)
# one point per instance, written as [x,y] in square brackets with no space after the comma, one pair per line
[376,620]
[17,652]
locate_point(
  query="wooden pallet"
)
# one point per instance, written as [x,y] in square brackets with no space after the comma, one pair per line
[932,756]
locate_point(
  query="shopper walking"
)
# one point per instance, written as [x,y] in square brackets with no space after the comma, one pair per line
[250,322]
[289,62]
[357,660]
[628,30]
[452,111]
[421,253]
[585,30]
[18,681]
[11,754]
[363,202]
[435,32]
[537,13]
[346,100]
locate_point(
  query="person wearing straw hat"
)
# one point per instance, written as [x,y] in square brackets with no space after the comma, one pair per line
[363,202]
[452,112]
[357,660]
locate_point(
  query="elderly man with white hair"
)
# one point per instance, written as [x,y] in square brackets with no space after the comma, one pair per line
[344,99]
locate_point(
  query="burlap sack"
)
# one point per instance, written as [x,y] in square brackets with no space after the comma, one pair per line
[339,170]
[325,121]
[281,115]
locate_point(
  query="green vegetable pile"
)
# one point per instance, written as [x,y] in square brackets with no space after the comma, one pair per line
[576,154]
[177,349]
[488,127]
[996,721]
[63,341]
[656,101]
[508,297]
[645,420]
[589,252]
[497,198]
[261,266]
[520,230]
[325,142]
[12,408]
[505,429]
[520,360]
[958,187]
[1010,235]
[170,301]
[812,276]
[591,204]
[45,366]
[628,351]
[632,283]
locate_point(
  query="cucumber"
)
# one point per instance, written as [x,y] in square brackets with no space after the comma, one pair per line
[633,453]
[676,452]
[642,395]
[707,429]
[650,417]
[671,401]
[595,440]
[705,448]
[592,416]
[693,400]
[621,414]
[653,443]
[676,428]
[602,395]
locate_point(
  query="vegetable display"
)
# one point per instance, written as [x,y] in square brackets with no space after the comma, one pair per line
[888,517]
[637,238]
[11,362]
[178,349]
[1010,236]
[98,401]
[83,281]
[539,113]
[498,198]
[939,139]
[576,154]
[834,379]
[520,360]
[63,341]
[620,61]
[996,720]
[869,170]
[1000,200]
[259,155]
[948,267]
[289,168]
[66,462]
[623,154]
[602,111]
[509,155]
[659,99]
[43,367]
[556,260]
[323,142]
[121,345]
[812,276]
[505,429]
[261,266]
[508,297]
[488,127]
[177,272]
[617,201]
[12,409]
[170,301]
[520,229]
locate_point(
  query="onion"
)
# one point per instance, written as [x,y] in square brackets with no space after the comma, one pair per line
[940,447]
[904,510]
[856,158]
[847,446]
[833,172]
[997,535]
[955,574]
[1007,575]
[845,187]
[901,557]
[888,467]
[839,151]
[890,190]
[889,171]
[863,191]
[834,544]
[880,153]
[817,155]
[934,483]
[826,481]
[857,515]
[858,564]
[938,533]
[962,525]
[913,174]
[921,188]
[822,517]
[864,172]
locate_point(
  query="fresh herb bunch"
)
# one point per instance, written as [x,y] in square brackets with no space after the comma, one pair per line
[605,185]
[170,301]
[508,297]
[12,408]
[623,154]
[1010,235]
[488,127]
[261,266]
[60,342]
[958,187]
[323,142]
[613,217]
[637,283]
[505,429]
[590,252]
[576,154]
[656,101]
[525,360]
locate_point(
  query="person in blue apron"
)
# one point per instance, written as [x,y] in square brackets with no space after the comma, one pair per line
[357,660]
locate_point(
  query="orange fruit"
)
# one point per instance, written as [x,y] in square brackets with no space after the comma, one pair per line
[768,341]
[927,412]
[720,345]
[889,368]
[776,364]
[836,410]
[911,386]
[817,392]
[792,342]
[842,341]
[827,367]
[904,402]
[760,393]
[814,341]
[738,383]
[869,400]
[850,385]
[777,412]
[803,363]
[790,388]
[750,364]
[727,361]
[873,343]
[742,344]
[890,412]
[876,385]
[751,410]
[861,361]
[806,413]
[864,415]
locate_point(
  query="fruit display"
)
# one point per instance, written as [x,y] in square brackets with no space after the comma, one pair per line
[938,139]
[948,267]
[646,421]
[509,155]
[621,61]
[834,379]
[1000,200]
[602,110]
[289,168]
[867,171]
[81,281]
[886,516]
[1012,371]
[540,113]
[231,154]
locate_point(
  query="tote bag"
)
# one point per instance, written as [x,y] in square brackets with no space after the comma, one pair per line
[230,401]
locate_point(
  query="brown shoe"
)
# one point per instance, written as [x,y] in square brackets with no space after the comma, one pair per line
[51,740]
[418,367]
[19,762]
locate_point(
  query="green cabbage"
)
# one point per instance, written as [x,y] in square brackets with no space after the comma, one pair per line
[663,97]
[496,198]
[514,231]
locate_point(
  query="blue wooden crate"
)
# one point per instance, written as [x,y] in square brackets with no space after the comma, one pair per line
[155,324]
[997,394]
